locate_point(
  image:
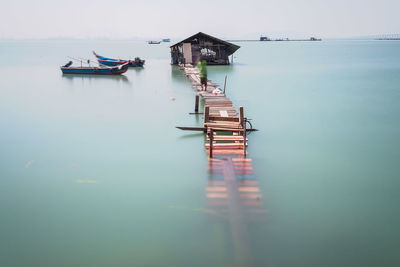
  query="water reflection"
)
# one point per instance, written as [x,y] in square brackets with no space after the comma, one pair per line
[233,192]
[86,77]
[177,75]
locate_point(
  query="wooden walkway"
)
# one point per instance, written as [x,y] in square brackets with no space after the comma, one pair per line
[232,190]
[225,127]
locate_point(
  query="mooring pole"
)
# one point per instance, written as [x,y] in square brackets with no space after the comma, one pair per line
[211,135]
[196,104]
[241,116]
[225,84]
[244,138]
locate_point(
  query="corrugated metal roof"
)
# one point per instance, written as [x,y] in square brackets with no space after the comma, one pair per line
[231,47]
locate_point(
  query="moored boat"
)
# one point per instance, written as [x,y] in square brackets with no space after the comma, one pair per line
[67,69]
[137,62]
[154,42]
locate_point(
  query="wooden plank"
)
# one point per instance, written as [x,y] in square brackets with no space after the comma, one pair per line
[226,146]
[217,114]
[223,108]
[222,105]
[194,128]
[211,161]
[219,102]
[202,129]
[226,152]
[216,189]
[224,119]
[217,195]
[224,113]
[226,129]
[229,138]
[241,160]
[248,189]
[223,125]
[216,110]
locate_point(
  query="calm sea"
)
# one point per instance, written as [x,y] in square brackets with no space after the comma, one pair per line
[93,171]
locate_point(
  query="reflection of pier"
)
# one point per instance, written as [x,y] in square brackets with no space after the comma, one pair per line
[232,189]
[233,192]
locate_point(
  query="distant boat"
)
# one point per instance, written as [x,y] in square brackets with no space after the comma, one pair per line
[166,40]
[264,38]
[67,69]
[154,42]
[115,62]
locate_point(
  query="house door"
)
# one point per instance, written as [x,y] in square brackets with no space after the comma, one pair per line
[187,52]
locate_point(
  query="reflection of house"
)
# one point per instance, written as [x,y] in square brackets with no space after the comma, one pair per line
[215,51]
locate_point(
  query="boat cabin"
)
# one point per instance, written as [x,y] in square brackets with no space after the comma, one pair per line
[202,46]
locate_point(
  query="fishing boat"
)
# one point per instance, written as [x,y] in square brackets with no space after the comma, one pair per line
[115,62]
[154,42]
[67,69]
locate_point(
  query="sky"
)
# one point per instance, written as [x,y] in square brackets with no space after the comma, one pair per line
[128,19]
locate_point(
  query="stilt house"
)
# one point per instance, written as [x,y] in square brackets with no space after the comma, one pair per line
[202,46]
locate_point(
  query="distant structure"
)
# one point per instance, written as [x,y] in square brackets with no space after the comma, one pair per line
[388,37]
[215,51]
[264,38]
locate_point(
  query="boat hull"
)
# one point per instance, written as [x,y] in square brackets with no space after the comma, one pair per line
[94,70]
[116,62]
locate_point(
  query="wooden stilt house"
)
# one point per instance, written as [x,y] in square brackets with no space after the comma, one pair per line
[202,46]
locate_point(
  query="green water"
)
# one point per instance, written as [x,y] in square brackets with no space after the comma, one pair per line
[94,173]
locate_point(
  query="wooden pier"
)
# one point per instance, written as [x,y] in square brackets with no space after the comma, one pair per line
[225,127]
[232,190]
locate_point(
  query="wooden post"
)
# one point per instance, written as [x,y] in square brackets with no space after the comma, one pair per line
[196,104]
[225,84]
[206,115]
[211,141]
[241,116]
[211,137]
[244,138]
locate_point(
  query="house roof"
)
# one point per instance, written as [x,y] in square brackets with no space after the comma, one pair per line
[231,48]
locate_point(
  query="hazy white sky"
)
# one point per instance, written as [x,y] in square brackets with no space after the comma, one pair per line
[176,18]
